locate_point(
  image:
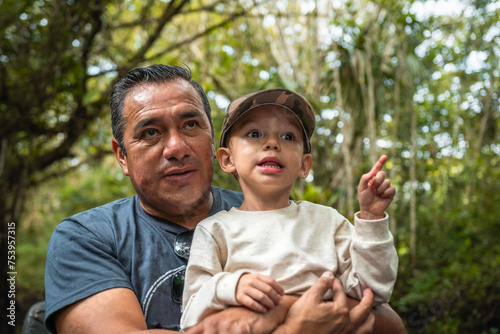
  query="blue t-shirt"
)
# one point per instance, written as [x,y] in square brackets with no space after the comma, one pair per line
[119,245]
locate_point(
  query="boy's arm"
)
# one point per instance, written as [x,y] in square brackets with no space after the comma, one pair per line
[207,288]
[375,194]
[369,259]
[374,260]
[202,273]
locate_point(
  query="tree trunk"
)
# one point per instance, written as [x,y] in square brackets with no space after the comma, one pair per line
[347,132]
[370,102]
[394,139]
[413,183]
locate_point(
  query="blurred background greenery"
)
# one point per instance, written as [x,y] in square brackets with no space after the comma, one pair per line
[415,80]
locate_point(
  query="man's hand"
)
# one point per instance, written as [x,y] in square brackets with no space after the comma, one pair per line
[258,292]
[375,192]
[311,314]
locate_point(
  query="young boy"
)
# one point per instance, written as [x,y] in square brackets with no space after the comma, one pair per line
[272,246]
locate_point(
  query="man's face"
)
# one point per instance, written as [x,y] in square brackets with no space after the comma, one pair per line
[169,148]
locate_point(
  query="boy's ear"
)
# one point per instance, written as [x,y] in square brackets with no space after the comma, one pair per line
[306,166]
[225,160]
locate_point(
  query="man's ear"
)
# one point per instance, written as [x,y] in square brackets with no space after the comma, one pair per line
[306,166]
[225,160]
[122,159]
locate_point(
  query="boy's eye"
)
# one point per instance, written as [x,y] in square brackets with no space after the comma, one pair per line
[288,136]
[253,134]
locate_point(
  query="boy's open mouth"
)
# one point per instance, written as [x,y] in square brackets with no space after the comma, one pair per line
[270,163]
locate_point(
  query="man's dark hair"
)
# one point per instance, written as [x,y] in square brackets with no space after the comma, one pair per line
[154,74]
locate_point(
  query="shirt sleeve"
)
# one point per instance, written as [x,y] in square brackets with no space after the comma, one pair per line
[373,259]
[80,263]
[207,288]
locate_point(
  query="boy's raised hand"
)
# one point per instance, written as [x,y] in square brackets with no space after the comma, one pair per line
[258,292]
[375,192]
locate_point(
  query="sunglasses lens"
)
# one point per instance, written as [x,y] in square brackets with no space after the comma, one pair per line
[178,286]
[182,248]
[183,244]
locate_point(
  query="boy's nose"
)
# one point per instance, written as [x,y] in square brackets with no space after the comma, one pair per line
[272,144]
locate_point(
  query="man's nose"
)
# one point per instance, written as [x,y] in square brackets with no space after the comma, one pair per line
[175,146]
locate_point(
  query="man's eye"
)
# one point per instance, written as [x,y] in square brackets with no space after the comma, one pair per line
[253,134]
[191,125]
[150,133]
[288,136]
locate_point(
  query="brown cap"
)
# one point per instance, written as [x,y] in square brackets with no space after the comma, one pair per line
[279,97]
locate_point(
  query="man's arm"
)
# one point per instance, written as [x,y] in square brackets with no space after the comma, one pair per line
[110,311]
[386,319]
[118,311]
[314,313]
[308,313]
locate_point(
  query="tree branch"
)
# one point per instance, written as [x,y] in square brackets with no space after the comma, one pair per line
[96,156]
[167,16]
[196,36]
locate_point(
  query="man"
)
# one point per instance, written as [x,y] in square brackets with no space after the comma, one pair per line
[119,268]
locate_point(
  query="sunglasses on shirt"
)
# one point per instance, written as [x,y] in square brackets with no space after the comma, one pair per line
[182,248]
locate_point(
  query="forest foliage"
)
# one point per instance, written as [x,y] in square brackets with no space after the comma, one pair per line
[418,81]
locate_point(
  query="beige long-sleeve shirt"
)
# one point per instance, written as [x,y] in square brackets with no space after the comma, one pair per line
[294,245]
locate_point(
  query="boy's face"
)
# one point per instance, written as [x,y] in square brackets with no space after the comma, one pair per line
[266,150]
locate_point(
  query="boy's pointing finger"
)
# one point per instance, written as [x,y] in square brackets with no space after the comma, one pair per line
[378,165]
